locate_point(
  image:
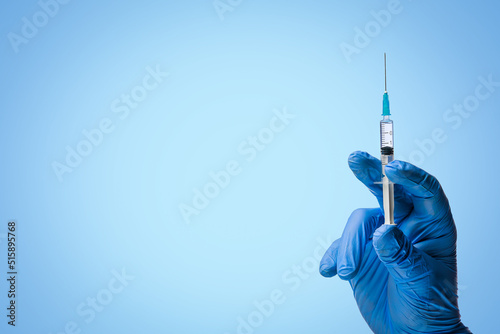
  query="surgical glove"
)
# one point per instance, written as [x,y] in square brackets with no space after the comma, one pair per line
[404,276]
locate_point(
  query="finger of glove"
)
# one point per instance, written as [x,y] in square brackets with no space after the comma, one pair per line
[358,231]
[328,264]
[407,265]
[368,170]
[427,194]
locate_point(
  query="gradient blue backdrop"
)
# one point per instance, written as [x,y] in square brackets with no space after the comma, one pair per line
[120,207]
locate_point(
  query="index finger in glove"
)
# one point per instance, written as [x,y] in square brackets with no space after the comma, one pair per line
[427,194]
[368,170]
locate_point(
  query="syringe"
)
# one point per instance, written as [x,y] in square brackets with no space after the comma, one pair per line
[387,153]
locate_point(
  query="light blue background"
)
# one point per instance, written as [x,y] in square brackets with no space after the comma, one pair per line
[119,208]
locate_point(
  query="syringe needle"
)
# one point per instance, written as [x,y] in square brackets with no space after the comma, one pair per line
[385,71]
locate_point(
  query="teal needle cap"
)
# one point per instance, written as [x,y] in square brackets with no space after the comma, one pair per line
[385,105]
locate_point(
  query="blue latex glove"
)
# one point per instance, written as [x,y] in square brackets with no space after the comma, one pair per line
[404,277]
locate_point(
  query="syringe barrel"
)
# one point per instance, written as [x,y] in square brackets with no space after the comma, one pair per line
[386,136]
[387,155]
[388,199]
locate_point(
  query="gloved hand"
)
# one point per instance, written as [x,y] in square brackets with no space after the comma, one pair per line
[404,277]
